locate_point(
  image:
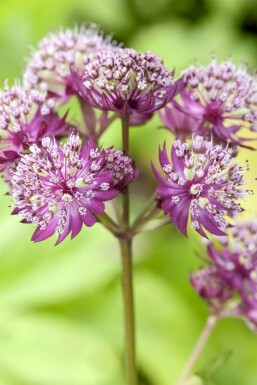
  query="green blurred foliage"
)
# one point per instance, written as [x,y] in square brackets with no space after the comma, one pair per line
[60,308]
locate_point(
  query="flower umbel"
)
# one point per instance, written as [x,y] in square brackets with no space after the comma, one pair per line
[210,286]
[127,82]
[26,116]
[202,183]
[223,99]
[229,283]
[58,188]
[49,66]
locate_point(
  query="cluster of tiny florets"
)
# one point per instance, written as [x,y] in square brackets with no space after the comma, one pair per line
[244,236]
[18,106]
[201,182]
[26,116]
[122,166]
[222,98]
[126,81]
[233,267]
[60,187]
[210,286]
[49,66]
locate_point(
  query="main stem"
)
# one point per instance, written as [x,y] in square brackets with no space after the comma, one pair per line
[210,323]
[127,274]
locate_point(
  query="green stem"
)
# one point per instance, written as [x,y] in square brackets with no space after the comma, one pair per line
[109,224]
[150,204]
[127,286]
[208,328]
[125,147]
[127,273]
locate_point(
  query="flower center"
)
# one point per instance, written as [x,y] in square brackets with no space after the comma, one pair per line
[212,116]
[196,189]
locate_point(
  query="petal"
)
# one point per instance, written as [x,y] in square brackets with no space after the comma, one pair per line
[89,219]
[76,220]
[178,163]
[40,235]
[180,213]
[209,223]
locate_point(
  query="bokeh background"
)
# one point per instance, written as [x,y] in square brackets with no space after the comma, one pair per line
[60,307]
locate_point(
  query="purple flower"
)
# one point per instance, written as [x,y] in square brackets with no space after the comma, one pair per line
[179,123]
[210,286]
[229,283]
[202,183]
[25,118]
[49,66]
[127,82]
[237,260]
[222,98]
[58,188]
[122,166]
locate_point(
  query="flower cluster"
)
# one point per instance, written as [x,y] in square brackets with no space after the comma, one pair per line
[58,188]
[122,166]
[222,99]
[201,182]
[26,116]
[49,66]
[229,283]
[127,82]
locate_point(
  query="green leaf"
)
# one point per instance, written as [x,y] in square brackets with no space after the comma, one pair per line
[46,350]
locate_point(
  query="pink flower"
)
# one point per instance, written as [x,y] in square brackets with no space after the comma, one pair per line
[229,282]
[60,188]
[200,182]
[127,82]
[49,65]
[26,117]
[223,99]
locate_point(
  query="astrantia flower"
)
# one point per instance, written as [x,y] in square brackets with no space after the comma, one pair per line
[122,166]
[202,183]
[25,118]
[210,286]
[179,123]
[237,260]
[229,283]
[58,188]
[127,82]
[223,99]
[49,66]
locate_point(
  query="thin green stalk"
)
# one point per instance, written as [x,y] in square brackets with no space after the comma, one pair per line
[127,285]
[127,273]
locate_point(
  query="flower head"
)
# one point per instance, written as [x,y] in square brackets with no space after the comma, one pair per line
[49,66]
[122,167]
[222,98]
[58,188]
[179,123]
[202,183]
[229,283]
[210,286]
[237,260]
[127,82]
[26,116]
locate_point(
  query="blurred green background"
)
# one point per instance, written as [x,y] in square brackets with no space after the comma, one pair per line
[60,308]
